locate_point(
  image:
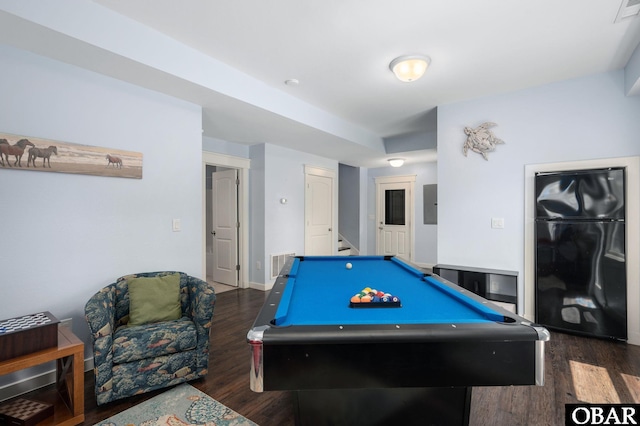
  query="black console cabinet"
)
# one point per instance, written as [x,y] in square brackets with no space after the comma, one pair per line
[492,284]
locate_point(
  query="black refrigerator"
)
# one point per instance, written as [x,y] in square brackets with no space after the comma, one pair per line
[580,252]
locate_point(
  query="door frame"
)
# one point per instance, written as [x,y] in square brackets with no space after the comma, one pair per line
[411,180]
[242,165]
[329,173]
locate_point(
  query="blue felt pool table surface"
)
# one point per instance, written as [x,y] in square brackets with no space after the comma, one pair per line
[319,290]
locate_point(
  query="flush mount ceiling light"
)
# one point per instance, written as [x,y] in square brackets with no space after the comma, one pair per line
[396,162]
[409,67]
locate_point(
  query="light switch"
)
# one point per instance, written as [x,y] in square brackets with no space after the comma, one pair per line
[176,225]
[497,222]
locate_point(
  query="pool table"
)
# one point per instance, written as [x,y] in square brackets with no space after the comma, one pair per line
[411,363]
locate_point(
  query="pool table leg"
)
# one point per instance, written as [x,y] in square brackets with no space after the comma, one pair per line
[384,406]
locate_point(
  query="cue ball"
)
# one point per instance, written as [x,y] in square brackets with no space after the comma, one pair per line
[349,265]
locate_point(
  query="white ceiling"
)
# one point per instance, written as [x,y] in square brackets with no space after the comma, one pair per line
[339,50]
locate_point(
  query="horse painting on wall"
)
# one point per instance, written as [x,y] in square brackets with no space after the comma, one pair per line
[53,156]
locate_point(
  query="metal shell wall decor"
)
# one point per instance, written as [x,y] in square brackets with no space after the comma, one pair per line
[481,139]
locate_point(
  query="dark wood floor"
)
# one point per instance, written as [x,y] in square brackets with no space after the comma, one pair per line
[577,369]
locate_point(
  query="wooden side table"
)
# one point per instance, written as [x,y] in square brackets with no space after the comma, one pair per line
[69,358]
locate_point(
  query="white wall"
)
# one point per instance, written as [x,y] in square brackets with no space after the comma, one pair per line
[580,119]
[65,236]
[425,235]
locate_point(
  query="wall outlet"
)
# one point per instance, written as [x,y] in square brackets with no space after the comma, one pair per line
[258,265]
[68,322]
[176,225]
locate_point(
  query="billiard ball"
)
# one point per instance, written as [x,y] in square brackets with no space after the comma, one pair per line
[349,265]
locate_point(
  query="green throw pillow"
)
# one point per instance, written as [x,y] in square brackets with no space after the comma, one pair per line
[154,299]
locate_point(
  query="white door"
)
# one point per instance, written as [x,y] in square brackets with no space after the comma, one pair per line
[224,226]
[394,206]
[318,215]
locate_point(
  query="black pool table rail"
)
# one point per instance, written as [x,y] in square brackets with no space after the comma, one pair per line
[307,357]
[398,333]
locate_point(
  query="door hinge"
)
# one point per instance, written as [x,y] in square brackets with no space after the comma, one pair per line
[237,267]
[237,181]
[237,224]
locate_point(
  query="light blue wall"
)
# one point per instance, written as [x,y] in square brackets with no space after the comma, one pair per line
[65,236]
[632,74]
[585,118]
[349,202]
[411,141]
[256,214]
[363,201]
[426,247]
[223,147]
[276,173]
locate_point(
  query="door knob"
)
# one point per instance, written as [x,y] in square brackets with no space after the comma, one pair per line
[329,229]
[213,233]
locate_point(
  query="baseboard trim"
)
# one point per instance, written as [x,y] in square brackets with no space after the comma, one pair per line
[260,286]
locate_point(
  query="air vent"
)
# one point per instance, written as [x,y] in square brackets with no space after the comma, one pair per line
[277,262]
[628,9]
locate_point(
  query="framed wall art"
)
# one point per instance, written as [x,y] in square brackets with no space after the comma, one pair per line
[44,155]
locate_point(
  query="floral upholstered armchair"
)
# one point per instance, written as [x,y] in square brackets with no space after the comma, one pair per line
[149,330]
